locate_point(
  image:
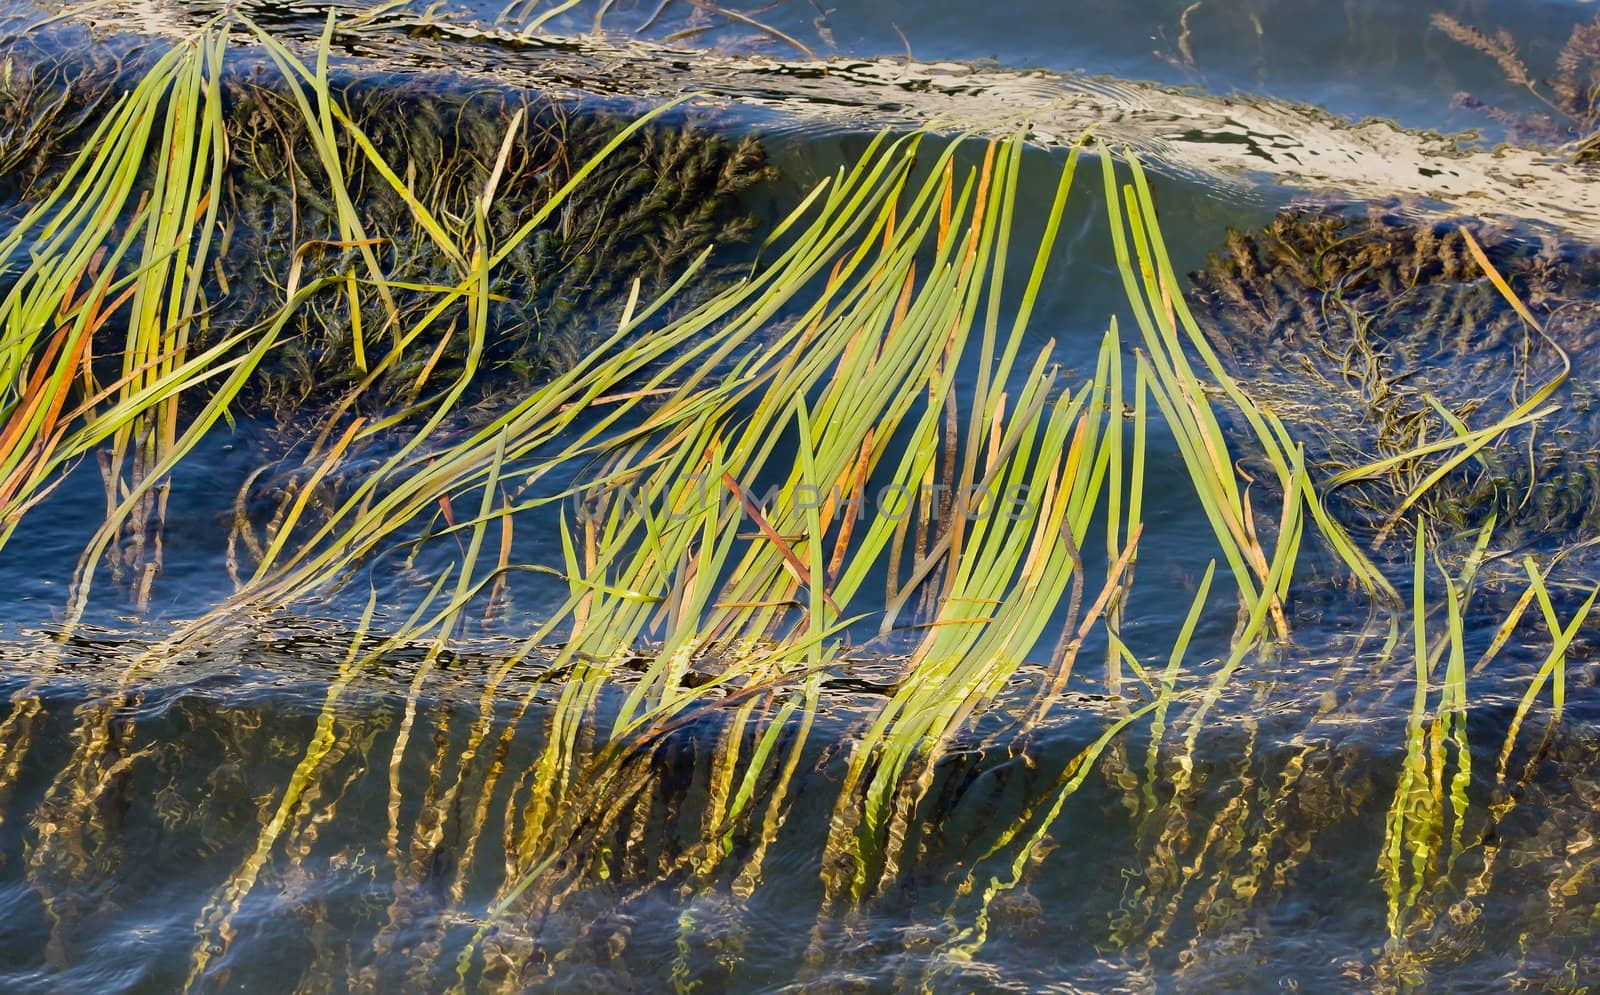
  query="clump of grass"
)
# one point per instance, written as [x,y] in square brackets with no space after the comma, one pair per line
[288,203]
[81,238]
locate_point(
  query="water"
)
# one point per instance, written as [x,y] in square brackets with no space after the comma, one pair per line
[227,814]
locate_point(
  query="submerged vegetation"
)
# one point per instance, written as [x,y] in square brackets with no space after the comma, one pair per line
[1380,342]
[1569,114]
[844,563]
[645,212]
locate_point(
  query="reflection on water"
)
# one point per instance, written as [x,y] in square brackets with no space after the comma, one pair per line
[1245,861]
[1378,58]
[318,799]
[1203,129]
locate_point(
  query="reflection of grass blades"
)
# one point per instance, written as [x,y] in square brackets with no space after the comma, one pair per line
[219,913]
[1427,817]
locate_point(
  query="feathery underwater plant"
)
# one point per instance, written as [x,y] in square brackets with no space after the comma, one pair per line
[1572,115]
[1386,342]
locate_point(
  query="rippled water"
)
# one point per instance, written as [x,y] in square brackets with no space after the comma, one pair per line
[1290,795]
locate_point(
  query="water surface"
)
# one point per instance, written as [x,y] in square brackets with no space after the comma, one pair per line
[1243,857]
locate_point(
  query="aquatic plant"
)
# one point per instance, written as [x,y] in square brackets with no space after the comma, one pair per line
[1572,115]
[833,536]
[40,115]
[651,210]
[1384,342]
[647,211]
